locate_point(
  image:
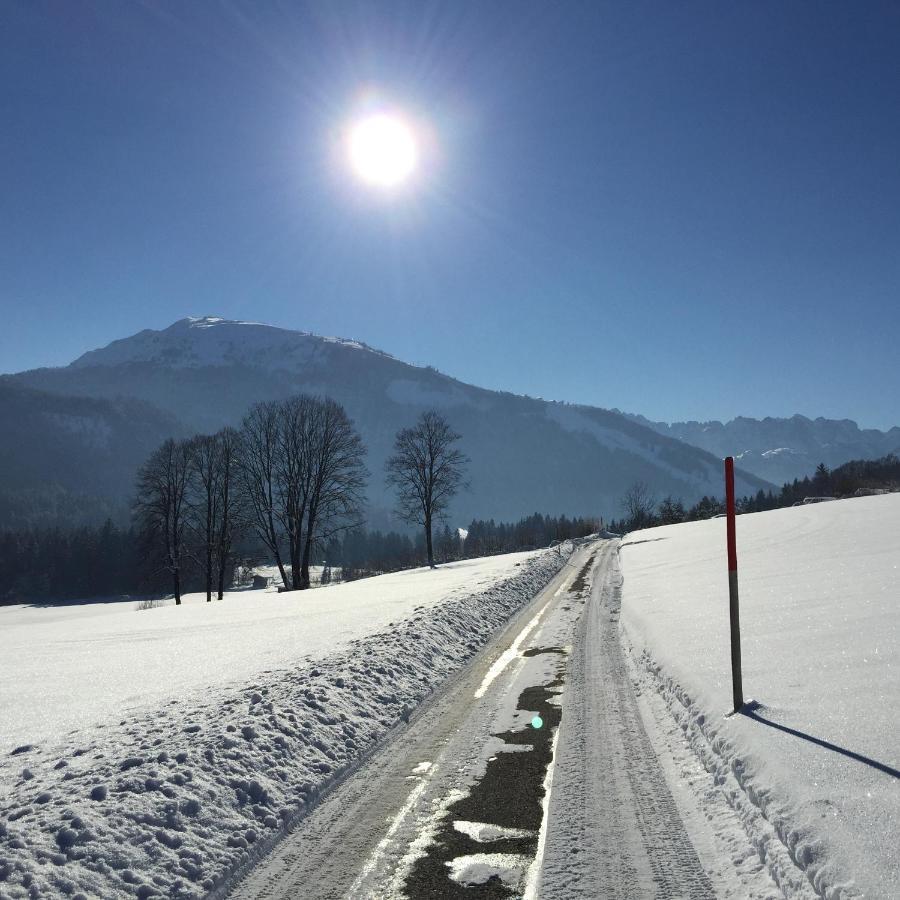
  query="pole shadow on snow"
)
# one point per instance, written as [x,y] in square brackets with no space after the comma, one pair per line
[749,710]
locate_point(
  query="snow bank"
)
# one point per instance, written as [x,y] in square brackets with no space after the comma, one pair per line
[82,665]
[813,772]
[169,801]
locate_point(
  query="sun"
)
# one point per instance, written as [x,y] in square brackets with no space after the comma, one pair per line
[382,150]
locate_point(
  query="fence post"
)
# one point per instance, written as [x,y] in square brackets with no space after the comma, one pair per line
[736,681]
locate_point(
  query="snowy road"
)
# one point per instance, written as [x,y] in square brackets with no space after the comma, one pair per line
[456,805]
[615,828]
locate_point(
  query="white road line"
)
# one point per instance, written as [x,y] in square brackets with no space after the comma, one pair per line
[534,871]
[508,655]
[418,847]
[397,821]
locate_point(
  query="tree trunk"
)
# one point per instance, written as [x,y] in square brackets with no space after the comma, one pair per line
[295,564]
[281,570]
[221,585]
[428,543]
[224,536]
[304,568]
[307,548]
[307,553]
[272,538]
[209,543]
[175,560]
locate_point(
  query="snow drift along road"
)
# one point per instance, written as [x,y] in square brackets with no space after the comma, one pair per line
[170,800]
[83,665]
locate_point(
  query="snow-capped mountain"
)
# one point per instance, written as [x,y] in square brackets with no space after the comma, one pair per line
[212,341]
[781,450]
[527,454]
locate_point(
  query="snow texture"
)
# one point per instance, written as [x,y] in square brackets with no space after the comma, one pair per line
[812,767]
[83,665]
[479,868]
[169,800]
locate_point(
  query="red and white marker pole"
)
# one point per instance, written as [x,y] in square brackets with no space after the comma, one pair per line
[736,684]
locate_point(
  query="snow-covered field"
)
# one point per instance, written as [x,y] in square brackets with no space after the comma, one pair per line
[813,771]
[147,752]
[83,665]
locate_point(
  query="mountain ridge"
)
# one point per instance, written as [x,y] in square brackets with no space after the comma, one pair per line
[528,454]
[781,449]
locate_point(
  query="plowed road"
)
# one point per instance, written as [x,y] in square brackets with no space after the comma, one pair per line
[530,774]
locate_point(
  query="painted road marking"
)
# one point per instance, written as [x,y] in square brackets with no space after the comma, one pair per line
[508,655]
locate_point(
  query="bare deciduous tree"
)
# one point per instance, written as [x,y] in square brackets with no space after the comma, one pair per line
[212,502]
[161,504]
[294,457]
[336,478]
[427,471]
[233,514]
[304,476]
[260,477]
[638,504]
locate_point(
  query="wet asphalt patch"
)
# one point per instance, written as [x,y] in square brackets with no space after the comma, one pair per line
[580,582]
[538,651]
[510,795]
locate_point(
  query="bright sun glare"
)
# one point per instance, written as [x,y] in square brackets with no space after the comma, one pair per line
[383,150]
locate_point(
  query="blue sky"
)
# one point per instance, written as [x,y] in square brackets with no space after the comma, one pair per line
[685,210]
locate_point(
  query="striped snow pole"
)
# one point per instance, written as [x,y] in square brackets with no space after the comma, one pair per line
[736,685]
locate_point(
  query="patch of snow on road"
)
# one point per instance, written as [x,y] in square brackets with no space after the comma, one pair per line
[511,652]
[534,870]
[485,832]
[479,868]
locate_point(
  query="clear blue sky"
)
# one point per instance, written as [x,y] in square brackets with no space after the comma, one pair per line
[687,210]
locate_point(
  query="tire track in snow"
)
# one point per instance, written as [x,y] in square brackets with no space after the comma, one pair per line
[614,828]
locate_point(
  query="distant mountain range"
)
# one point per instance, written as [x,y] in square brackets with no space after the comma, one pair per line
[72,437]
[781,450]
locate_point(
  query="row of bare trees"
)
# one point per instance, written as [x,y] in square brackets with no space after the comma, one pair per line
[292,476]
